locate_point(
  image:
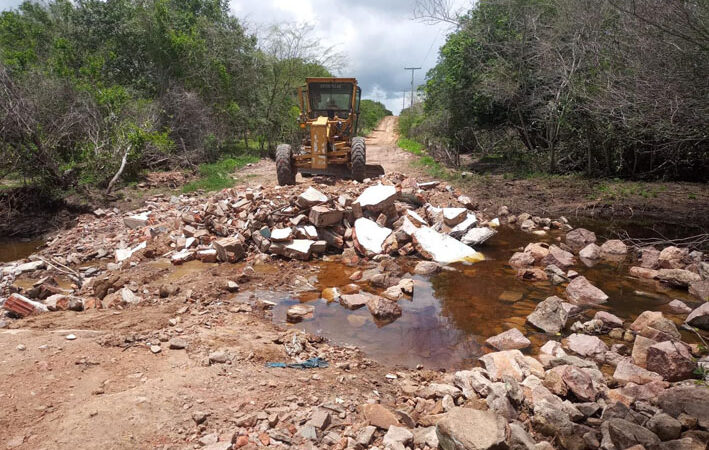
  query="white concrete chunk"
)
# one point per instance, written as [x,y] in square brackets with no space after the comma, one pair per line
[445,249]
[477,236]
[377,197]
[370,235]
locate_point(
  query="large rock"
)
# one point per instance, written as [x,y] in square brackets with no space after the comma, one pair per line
[379,416]
[377,198]
[509,340]
[521,260]
[471,429]
[442,248]
[590,252]
[574,380]
[383,309]
[678,277]
[539,250]
[650,257]
[614,247]
[370,236]
[692,400]
[672,257]
[427,268]
[558,257]
[672,360]
[653,325]
[579,238]
[700,289]
[627,372]
[625,434]
[664,426]
[581,292]
[586,345]
[396,436]
[549,315]
[639,353]
[354,301]
[297,313]
[511,363]
[699,317]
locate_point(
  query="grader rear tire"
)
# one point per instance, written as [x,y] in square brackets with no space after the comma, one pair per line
[358,158]
[285,165]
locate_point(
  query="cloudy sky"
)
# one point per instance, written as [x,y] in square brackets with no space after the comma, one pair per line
[378,37]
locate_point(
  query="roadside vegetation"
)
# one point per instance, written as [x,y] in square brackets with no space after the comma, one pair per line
[370,114]
[615,88]
[92,89]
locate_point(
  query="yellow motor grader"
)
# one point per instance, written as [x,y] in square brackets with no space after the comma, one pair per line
[329,115]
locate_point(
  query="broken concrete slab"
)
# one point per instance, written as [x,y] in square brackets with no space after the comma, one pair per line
[281,234]
[442,248]
[370,236]
[137,220]
[310,198]
[377,198]
[295,249]
[477,236]
[322,216]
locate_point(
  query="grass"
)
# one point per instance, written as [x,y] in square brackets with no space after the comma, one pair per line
[217,176]
[618,189]
[411,146]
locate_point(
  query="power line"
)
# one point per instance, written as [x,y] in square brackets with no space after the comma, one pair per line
[412,69]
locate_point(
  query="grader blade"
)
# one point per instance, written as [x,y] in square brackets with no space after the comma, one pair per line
[342,171]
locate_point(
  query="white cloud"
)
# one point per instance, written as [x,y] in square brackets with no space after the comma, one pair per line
[378,38]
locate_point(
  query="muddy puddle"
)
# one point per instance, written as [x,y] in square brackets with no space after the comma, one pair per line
[12,250]
[451,313]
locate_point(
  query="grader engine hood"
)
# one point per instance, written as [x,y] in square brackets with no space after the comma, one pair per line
[319,133]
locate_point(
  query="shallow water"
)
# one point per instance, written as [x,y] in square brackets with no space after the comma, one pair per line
[18,249]
[451,313]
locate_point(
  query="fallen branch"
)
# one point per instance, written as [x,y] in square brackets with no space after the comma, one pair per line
[696,242]
[120,171]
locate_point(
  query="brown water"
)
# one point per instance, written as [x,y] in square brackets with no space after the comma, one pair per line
[451,313]
[18,249]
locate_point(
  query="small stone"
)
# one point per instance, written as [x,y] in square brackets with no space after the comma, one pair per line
[218,357]
[155,349]
[177,343]
[679,307]
[70,337]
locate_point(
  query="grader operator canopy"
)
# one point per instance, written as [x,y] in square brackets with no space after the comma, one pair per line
[328,99]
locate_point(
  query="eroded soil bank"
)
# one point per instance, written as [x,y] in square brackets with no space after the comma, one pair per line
[550,340]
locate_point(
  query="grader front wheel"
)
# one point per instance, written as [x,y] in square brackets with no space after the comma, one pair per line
[358,158]
[285,165]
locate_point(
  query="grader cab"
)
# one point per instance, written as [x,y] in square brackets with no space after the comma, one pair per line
[330,146]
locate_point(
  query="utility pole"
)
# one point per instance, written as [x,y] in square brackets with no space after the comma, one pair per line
[412,69]
[403,99]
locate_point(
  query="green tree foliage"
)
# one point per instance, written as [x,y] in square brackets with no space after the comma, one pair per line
[612,87]
[162,82]
[370,114]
